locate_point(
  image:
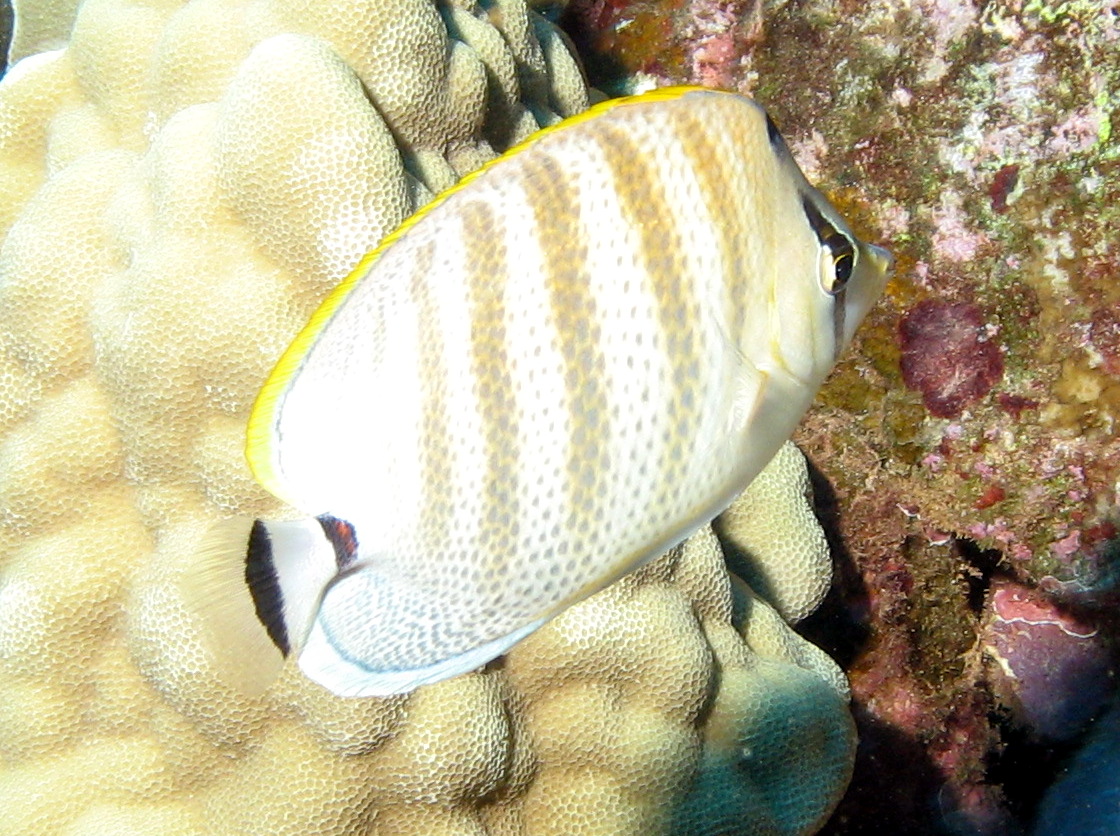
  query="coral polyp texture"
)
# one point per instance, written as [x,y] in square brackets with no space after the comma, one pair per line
[182,183]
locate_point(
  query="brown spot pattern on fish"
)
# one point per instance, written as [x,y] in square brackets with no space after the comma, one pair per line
[601,339]
[715,168]
[435,451]
[722,159]
[482,232]
[555,201]
[646,207]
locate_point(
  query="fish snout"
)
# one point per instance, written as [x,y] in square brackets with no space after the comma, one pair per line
[881,260]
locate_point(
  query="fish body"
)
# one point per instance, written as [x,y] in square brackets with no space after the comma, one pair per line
[550,375]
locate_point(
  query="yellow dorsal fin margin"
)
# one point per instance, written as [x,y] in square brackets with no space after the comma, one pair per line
[263,417]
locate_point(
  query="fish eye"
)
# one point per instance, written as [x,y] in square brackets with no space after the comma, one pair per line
[843,260]
[838,253]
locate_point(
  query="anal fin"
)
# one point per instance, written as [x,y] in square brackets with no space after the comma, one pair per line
[322,662]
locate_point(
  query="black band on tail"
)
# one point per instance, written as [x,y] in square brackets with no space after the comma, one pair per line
[264,584]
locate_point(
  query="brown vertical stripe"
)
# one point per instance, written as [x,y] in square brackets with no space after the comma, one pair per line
[435,438]
[648,208]
[724,200]
[487,277]
[554,202]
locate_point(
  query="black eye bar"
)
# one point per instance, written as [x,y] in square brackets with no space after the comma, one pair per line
[841,247]
[817,221]
[775,135]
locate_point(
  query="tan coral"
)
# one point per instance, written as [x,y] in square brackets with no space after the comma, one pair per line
[792,574]
[182,184]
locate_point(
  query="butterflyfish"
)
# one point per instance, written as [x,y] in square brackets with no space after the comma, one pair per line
[551,374]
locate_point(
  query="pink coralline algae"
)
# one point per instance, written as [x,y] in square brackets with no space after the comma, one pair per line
[1002,185]
[954,238]
[1104,338]
[706,42]
[948,356]
[1052,669]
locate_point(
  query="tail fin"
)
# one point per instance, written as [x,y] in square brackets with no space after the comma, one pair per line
[284,567]
[287,567]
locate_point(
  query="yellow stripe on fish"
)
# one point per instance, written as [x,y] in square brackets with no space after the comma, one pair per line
[551,374]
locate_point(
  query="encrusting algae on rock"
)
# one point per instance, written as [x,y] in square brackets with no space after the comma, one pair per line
[182,185]
[971,441]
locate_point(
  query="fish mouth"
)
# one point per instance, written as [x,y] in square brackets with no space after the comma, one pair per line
[881,260]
